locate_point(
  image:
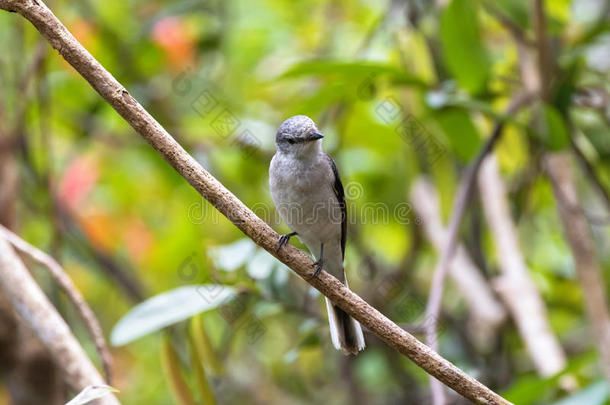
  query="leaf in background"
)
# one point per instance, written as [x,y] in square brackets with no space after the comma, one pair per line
[311,339]
[372,370]
[595,394]
[197,361]
[231,257]
[530,389]
[171,369]
[90,393]
[168,308]
[565,86]
[462,48]
[554,132]
[461,132]
[326,66]
[261,265]
[204,346]
[359,69]
[516,11]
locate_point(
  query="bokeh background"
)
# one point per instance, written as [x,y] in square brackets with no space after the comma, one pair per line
[401,89]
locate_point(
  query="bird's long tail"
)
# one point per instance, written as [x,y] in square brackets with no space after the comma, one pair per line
[345,331]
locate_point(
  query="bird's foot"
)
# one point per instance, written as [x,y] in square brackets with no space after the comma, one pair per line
[284,239]
[317,268]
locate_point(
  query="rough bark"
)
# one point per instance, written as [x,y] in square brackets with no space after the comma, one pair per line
[211,189]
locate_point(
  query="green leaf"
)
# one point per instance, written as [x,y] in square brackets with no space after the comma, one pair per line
[335,67]
[261,265]
[197,361]
[232,256]
[515,10]
[204,346]
[171,369]
[356,69]
[461,132]
[562,97]
[463,51]
[554,131]
[595,394]
[90,393]
[168,308]
[530,389]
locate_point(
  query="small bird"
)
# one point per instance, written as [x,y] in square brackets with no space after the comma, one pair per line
[308,194]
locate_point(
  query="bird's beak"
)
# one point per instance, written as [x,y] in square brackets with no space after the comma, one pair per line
[315,136]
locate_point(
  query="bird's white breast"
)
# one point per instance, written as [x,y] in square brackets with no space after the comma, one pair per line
[302,192]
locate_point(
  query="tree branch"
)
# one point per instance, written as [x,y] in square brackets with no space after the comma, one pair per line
[545,61]
[38,313]
[459,208]
[515,30]
[486,313]
[515,285]
[211,189]
[581,242]
[66,284]
[576,229]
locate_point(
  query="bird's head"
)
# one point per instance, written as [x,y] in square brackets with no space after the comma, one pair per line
[298,136]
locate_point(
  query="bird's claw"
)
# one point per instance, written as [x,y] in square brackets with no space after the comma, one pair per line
[318,268]
[284,239]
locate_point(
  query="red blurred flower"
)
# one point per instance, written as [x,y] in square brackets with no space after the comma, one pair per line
[77,181]
[173,35]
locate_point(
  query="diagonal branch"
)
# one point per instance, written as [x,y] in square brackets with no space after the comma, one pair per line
[575,226]
[66,284]
[486,313]
[515,285]
[230,206]
[578,235]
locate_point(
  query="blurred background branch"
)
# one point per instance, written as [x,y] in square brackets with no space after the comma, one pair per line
[37,312]
[66,284]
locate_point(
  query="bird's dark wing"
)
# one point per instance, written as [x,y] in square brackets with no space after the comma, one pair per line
[338,188]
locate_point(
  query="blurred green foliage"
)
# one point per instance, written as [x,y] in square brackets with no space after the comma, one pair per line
[99,199]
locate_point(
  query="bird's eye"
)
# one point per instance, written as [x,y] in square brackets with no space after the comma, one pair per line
[290,140]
